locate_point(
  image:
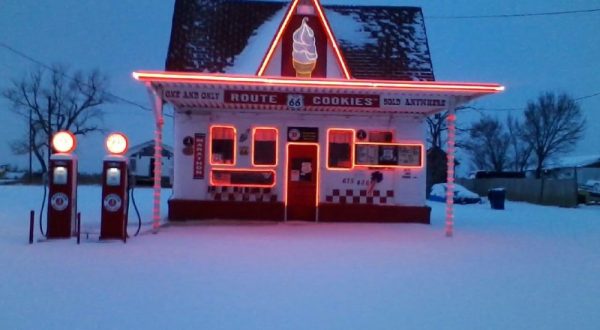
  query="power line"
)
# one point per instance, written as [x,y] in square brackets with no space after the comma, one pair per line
[577,99]
[549,13]
[48,67]
[587,96]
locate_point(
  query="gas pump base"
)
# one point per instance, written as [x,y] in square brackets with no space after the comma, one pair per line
[62,197]
[114,198]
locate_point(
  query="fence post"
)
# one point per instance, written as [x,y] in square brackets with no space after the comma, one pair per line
[78,227]
[31,225]
[541,199]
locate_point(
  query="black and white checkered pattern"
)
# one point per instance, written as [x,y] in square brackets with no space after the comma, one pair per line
[241,194]
[351,196]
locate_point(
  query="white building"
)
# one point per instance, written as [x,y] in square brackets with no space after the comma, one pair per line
[301,111]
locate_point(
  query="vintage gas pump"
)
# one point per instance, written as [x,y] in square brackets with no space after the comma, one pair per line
[62,184]
[114,189]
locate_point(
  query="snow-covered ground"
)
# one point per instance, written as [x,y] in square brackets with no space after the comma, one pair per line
[527,267]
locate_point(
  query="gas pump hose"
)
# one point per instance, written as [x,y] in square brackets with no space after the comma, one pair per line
[137,212]
[44,183]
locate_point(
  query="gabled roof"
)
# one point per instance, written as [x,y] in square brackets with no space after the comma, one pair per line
[167,150]
[377,42]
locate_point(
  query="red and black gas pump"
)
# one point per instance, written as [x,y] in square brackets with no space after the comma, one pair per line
[62,184]
[114,188]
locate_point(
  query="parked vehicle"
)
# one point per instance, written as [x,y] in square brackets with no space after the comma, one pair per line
[593,185]
[462,195]
[589,193]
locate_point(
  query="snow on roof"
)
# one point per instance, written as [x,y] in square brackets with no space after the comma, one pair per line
[377,42]
[574,161]
[382,42]
[247,61]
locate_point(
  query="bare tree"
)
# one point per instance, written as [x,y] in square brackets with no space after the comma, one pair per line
[521,150]
[53,100]
[553,125]
[487,144]
[436,126]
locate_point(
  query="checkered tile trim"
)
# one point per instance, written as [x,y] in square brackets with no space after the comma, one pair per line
[241,194]
[351,196]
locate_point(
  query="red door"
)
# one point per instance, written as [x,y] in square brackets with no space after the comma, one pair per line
[302,177]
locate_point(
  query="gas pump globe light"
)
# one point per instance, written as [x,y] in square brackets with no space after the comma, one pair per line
[64,142]
[116,144]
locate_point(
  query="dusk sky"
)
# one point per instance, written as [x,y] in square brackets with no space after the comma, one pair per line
[528,55]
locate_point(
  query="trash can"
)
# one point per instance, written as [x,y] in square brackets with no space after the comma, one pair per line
[497,197]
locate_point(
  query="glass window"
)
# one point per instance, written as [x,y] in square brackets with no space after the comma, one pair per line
[339,143]
[242,178]
[132,164]
[265,146]
[222,143]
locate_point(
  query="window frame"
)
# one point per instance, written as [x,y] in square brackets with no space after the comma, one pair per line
[242,170]
[352,149]
[254,129]
[399,144]
[210,145]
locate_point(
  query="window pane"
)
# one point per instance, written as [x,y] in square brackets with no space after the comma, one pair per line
[265,146]
[222,145]
[393,155]
[243,178]
[340,149]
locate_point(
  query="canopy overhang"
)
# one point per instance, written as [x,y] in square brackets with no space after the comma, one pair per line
[193,91]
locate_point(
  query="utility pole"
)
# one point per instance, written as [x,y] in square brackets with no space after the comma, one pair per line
[30,146]
[49,130]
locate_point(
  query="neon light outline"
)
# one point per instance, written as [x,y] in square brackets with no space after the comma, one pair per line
[276,38]
[338,54]
[427,86]
[318,177]
[212,183]
[282,27]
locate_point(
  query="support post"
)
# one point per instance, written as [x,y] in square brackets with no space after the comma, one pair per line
[450,170]
[78,227]
[31,225]
[157,106]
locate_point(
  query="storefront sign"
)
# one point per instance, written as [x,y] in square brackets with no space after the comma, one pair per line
[412,102]
[300,100]
[343,100]
[199,155]
[303,134]
[261,98]
[190,94]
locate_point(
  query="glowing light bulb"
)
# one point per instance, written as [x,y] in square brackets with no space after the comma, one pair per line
[64,141]
[116,143]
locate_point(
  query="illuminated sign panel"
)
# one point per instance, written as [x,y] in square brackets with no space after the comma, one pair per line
[389,155]
[199,155]
[299,100]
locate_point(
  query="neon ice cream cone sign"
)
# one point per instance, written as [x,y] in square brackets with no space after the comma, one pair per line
[304,53]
